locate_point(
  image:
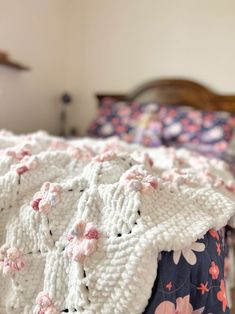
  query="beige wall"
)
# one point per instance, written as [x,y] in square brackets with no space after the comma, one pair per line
[33,32]
[116,44]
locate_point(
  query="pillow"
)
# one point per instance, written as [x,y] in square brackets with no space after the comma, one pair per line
[131,122]
[204,131]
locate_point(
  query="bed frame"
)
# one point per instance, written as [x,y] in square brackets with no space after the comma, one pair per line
[178,92]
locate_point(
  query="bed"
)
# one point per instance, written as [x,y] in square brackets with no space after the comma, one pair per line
[109,226]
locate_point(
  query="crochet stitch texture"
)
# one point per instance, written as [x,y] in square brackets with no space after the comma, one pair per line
[82,222]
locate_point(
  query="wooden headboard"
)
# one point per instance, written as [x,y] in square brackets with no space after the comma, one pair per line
[178,92]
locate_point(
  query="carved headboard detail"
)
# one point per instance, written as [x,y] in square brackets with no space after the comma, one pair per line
[178,92]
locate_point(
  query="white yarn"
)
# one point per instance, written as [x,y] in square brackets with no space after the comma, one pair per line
[139,204]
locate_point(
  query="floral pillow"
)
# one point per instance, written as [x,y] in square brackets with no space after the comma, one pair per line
[151,124]
[205,131]
[132,122]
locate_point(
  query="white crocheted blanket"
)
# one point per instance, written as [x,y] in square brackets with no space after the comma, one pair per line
[82,222]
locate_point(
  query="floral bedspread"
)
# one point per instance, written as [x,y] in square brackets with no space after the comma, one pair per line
[191,280]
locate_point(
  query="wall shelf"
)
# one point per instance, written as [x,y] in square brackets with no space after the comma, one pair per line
[5,61]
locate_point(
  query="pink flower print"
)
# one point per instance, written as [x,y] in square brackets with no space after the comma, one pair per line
[221,295]
[82,240]
[221,146]
[214,270]
[10,260]
[214,234]
[165,307]
[188,253]
[26,164]
[182,306]
[107,156]
[169,286]
[138,179]
[218,248]
[47,198]
[203,288]
[45,305]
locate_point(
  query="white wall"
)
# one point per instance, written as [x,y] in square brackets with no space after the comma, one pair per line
[116,44]
[33,32]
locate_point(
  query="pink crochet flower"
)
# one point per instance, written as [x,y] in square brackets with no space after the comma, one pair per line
[139,180]
[19,153]
[107,156]
[26,164]
[84,153]
[207,177]
[82,240]
[47,197]
[217,182]
[230,186]
[45,305]
[10,260]
[176,175]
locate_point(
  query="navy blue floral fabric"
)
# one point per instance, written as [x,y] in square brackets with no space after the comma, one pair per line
[203,131]
[191,280]
[152,124]
[133,123]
